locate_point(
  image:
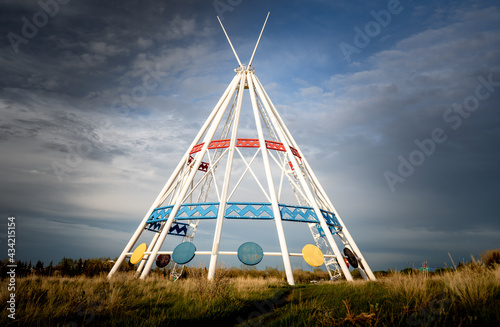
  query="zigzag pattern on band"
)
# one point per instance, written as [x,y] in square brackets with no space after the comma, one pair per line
[239,210]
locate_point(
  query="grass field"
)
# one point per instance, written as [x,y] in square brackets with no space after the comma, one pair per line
[469,296]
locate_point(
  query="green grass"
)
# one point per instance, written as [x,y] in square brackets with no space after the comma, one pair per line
[467,297]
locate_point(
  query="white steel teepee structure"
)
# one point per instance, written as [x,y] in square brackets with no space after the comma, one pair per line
[212,172]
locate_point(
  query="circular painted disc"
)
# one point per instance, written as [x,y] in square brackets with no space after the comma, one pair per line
[138,253]
[162,260]
[351,257]
[183,253]
[250,253]
[313,255]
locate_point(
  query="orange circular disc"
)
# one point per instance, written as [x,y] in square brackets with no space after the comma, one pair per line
[138,253]
[313,255]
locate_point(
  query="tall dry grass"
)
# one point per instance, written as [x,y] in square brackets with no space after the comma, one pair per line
[412,290]
[472,288]
[124,300]
[469,296]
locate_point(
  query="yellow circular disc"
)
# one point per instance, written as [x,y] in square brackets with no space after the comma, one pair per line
[313,255]
[138,253]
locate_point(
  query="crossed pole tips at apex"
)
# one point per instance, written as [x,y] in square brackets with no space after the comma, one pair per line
[234,51]
[256,45]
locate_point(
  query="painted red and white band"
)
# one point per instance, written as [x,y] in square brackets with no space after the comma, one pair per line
[245,143]
[203,165]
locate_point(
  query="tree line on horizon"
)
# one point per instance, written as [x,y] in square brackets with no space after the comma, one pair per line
[68,267]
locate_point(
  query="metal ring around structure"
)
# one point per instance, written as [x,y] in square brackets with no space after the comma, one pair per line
[240,210]
[244,143]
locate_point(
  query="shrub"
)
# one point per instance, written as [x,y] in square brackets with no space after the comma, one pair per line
[408,271]
[491,257]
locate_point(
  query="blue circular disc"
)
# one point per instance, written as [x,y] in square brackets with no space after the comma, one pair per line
[183,253]
[250,253]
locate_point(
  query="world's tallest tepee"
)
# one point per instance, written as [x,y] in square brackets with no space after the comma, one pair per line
[208,183]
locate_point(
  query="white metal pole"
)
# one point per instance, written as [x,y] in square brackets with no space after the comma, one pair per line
[345,230]
[167,185]
[270,182]
[208,137]
[318,184]
[225,186]
[142,225]
[305,187]
[258,41]
[248,164]
[202,179]
[150,247]
[234,51]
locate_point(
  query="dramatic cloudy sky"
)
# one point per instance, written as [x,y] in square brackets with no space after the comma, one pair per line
[397,116]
